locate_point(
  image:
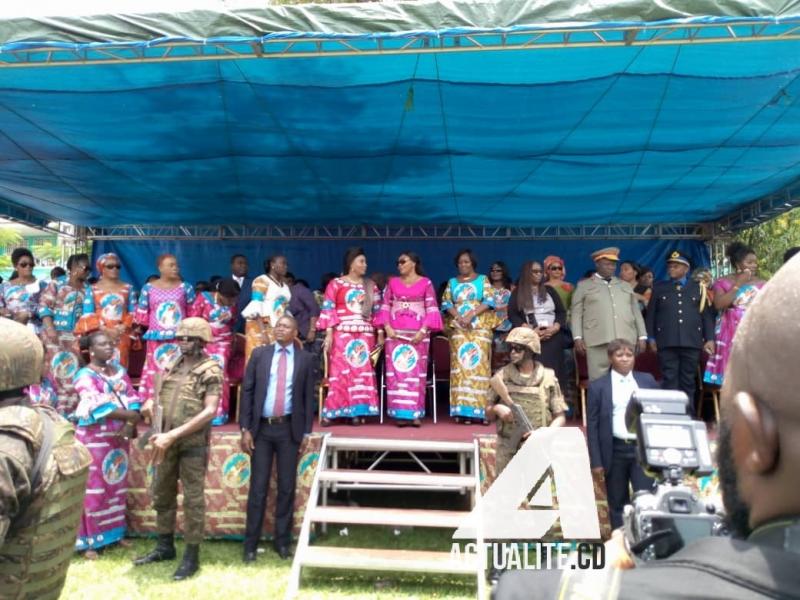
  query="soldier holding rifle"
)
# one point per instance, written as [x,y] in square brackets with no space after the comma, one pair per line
[186,401]
[528,395]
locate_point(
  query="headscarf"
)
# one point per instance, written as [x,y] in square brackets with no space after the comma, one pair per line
[102,260]
[555,260]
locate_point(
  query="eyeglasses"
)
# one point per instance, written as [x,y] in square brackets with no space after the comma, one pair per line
[112,266]
[555,268]
[82,267]
[185,338]
[402,261]
[517,348]
[536,271]
[23,265]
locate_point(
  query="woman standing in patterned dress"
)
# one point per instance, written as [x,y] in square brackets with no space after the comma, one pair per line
[269,301]
[348,317]
[219,309]
[468,301]
[19,296]
[106,414]
[110,307]
[409,312]
[163,303]
[60,308]
[733,295]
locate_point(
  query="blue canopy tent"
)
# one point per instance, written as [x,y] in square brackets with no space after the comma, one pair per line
[413,121]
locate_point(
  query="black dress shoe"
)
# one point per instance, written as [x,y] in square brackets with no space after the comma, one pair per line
[249,556]
[283,552]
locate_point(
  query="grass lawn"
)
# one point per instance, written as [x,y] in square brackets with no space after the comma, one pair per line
[223,576]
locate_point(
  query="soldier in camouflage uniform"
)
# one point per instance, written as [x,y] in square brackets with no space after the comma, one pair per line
[526,382]
[188,396]
[43,473]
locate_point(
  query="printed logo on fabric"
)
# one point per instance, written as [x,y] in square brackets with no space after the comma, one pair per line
[404,358]
[115,466]
[469,355]
[236,470]
[169,315]
[64,365]
[356,353]
[167,355]
[112,307]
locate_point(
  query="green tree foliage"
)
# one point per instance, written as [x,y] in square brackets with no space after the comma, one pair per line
[772,238]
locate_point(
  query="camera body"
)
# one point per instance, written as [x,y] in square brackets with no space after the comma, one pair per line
[670,445]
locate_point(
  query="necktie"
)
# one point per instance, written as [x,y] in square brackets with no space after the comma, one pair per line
[280,392]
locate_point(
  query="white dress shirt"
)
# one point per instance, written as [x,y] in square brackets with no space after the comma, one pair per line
[622,386]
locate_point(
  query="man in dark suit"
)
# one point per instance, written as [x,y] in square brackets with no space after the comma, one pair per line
[612,449]
[276,412]
[239,275]
[680,324]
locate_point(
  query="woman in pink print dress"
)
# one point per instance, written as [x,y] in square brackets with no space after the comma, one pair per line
[218,307]
[106,414]
[60,308]
[163,303]
[732,296]
[348,318]
[409,313]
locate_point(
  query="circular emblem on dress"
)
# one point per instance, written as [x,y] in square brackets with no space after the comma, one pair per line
[112,307]
[115,466]
[354,299]
[404,358]
[166,355]
[279,306]
[469,355]
[64,365]
[236,470]
[465,292]
[169,314]
[356,353]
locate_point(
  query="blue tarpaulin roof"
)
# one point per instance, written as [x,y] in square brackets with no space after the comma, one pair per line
[574,132]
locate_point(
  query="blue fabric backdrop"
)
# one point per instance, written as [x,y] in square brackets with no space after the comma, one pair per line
[311,259]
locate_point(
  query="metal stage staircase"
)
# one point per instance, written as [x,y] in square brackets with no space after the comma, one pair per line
[329,477]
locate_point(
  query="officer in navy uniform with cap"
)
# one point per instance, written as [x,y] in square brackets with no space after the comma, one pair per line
[680,324]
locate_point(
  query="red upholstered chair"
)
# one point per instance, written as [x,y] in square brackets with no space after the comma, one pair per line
[582,381]
[647,362]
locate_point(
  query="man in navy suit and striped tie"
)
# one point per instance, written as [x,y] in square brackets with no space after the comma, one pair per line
[276,412]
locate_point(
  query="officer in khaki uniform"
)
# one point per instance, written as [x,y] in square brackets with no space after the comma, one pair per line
[526,382]
[604,308]
[188,397]
[43,473]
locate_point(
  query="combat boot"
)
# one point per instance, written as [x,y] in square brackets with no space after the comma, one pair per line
[164,550]
[190,563]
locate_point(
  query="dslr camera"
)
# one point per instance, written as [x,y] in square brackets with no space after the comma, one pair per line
[670,446]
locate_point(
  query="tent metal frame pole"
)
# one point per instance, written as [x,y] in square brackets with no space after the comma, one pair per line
[409,232]
[280,47]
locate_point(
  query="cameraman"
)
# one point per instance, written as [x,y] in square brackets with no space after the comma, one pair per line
[758,457]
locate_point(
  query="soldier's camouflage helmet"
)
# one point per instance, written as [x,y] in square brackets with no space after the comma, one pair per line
[195,327]
[21,356]
[525,337]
